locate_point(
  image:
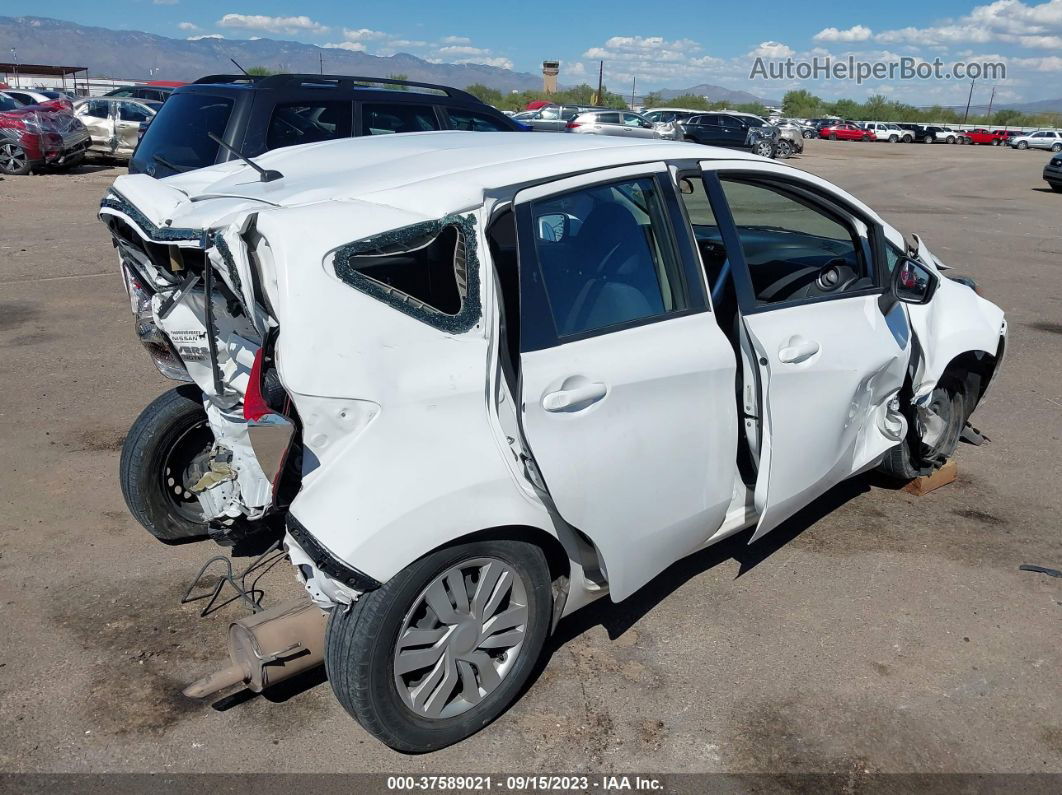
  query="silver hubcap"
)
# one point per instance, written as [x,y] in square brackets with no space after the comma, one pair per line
[12,158]
[461,638]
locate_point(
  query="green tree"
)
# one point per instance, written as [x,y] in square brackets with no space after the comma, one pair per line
[801,104]
[653,99]
[260,71]
[399,76]
[486,94]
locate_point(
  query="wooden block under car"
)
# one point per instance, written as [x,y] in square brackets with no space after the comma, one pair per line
[942,477]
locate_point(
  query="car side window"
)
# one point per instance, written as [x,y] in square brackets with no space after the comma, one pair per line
[296,123]
[470,120]
[130,111]
[98,109]
[607,118]
[606,257]
[383,119]
[795,248]
[630,120]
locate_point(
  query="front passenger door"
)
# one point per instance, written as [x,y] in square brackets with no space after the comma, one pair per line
[626,380]
[829,359]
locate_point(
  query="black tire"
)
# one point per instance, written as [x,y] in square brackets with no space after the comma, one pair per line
[360,646]
[13,160]
[928,139]
[785,149]
[1056,148]
[168,435]
[913,458]
[950,139]
[1022,145]
[894,139]
[1056,186]
[808,134]
[907,139]
[833,136]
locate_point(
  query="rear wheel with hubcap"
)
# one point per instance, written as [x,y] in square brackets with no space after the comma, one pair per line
[13,159]
[928,139]
[763,149]
[443,647]
[784,150]
[1056,148]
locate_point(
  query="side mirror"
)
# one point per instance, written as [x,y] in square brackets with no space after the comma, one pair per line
[912,282]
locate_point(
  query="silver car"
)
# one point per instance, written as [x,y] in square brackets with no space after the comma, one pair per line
[1041,139]
[624,123]
[114,123]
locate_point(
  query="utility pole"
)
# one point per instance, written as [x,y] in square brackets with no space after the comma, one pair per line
[600,81]
[634,87]
[14,59]
[320,56]
[988,120]
[968,100]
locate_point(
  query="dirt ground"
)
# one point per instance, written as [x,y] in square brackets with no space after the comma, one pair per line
[876,631]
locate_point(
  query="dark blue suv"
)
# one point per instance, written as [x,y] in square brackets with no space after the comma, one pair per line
[256,114]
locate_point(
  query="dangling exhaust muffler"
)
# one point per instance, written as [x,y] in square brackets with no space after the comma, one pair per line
[268,648]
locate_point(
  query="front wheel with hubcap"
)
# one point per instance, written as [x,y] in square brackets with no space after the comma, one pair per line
[164,454]
[933,435]
[443,647]
[1022,145]
[1056,148]
[928,139]
[785,149]
[13,159]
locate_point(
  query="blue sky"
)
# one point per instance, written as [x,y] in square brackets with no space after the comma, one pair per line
[673,44]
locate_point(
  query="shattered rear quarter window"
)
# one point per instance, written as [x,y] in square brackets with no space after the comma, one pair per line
[429,271]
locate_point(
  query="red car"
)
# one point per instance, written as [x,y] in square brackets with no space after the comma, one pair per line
[28,139]
[845,132]
[982,136]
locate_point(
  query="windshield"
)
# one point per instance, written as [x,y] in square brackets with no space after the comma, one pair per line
[179,136]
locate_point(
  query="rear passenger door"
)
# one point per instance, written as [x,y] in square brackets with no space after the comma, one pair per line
[627,382]
[308,122]
[464,119]
[386,118]
[96,115]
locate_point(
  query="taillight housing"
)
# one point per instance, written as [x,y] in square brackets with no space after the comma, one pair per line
[572,125]
[254,403]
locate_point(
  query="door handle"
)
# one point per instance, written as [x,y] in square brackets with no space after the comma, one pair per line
[575,399]
[797,350]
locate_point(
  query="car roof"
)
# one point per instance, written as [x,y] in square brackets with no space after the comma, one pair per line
[434,172]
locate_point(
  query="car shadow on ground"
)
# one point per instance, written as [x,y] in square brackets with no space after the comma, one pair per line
[617,618]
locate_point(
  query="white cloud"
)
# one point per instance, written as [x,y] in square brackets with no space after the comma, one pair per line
[206,36]
[772,49]
[455,40]
[461,49]
[187,26]
[364,34]
[498,61]
[1038,26]
[353,46]
[1049,63]
[653,59]
[854,33]
[300,24]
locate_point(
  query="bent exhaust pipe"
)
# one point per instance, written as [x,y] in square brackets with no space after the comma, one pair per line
[268,648]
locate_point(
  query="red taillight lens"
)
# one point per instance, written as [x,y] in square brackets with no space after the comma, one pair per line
[572,125]
[254,404]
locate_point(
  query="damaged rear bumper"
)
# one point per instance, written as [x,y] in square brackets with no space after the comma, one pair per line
[328,580]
